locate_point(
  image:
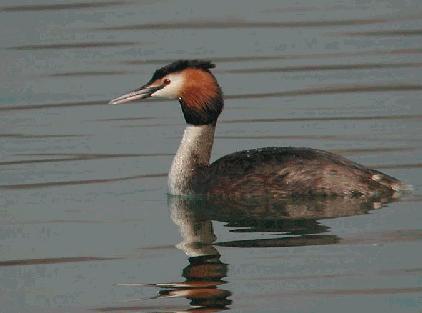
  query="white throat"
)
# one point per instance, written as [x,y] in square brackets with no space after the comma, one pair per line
[193,153]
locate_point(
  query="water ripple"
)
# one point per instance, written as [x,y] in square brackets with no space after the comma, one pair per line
[329,67]
[75,45]
[143,118]
[325,90]
[236,24]
[392,272]
[288,56]
[345,292]
[87,73]
[53,260]
[79,182]
[80,157]
[390,32]
[60,6]
[38,136]
[52,105]
[326,118]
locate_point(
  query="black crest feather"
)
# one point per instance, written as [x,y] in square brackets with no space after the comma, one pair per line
[181,65]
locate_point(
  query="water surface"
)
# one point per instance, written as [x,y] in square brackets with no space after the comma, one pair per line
[86,225]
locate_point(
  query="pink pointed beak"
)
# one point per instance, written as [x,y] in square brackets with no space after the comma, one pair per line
[138,94]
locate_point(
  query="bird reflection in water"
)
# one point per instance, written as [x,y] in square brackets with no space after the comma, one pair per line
[295,220]
[205,272]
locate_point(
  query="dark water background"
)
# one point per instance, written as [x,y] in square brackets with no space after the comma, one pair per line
[85,219]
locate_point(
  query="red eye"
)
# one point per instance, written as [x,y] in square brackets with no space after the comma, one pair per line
[166,81]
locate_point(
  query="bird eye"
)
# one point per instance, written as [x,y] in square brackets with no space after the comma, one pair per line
[166,81]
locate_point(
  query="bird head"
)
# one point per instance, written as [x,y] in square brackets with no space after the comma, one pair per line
[189,81]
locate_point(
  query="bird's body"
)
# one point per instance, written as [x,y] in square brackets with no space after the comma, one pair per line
[272,171]
[290,171]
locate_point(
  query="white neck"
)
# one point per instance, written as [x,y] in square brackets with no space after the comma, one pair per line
[194,152]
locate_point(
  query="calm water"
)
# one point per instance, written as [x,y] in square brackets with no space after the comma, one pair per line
[86,225]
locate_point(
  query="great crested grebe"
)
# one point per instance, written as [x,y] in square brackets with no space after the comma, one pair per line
[272,171]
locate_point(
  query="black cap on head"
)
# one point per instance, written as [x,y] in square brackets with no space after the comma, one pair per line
[181,65]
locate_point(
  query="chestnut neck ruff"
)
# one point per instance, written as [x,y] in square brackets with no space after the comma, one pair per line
[201,99]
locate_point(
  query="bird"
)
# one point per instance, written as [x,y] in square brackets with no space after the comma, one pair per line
[274,172]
